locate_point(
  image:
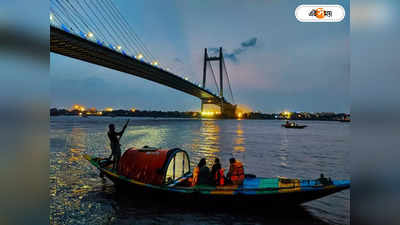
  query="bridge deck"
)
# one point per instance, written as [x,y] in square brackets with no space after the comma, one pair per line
[71,45]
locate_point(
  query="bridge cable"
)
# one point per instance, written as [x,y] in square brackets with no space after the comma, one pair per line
[110,25]
[229,83]
[215,80]
[77,14]
[109,33]
[74,17]
[140,49]
[123,31]
[94,26]
[69,21]
[60,15]
[99,22]
[123,39]
[129,28]
[230,86]
[129,41]
[56,16]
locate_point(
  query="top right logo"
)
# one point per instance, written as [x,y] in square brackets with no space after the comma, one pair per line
[320,13]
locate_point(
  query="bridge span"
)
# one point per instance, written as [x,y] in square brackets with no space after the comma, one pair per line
[68,44]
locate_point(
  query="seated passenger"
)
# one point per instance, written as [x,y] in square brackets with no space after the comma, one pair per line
[204,173]
[236,172]
[201,174]
[217,173]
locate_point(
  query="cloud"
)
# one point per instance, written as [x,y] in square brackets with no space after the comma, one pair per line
[178,60]
[233,55]
[249,43]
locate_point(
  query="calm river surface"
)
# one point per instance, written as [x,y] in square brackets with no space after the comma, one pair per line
[79,196]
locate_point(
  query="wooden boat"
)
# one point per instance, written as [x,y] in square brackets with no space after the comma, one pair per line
[165,174]
[294,126]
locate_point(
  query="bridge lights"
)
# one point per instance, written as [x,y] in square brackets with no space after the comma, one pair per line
[51,17]
[119,47]
[89,35]
[154,63]
[186,78]
[140,56]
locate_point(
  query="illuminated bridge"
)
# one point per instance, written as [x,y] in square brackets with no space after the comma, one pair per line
[79,29]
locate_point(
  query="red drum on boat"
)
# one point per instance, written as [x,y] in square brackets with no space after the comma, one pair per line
[154,166]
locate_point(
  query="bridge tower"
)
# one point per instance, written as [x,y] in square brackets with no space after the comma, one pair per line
[227,109]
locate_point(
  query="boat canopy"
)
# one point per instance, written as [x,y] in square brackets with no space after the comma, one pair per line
[154,166]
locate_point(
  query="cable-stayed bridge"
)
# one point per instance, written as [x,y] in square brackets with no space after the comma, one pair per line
[96,32]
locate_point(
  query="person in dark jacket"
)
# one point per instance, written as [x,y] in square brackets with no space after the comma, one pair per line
[204,173]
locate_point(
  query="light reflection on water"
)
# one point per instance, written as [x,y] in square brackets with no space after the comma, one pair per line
[206,144]
[79,196]
[239,140]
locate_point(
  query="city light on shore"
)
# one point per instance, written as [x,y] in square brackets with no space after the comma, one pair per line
[287,114]
[78,107]
[210,113]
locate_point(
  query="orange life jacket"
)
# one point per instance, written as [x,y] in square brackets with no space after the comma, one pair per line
[237,172]
[195,175]
[219,177]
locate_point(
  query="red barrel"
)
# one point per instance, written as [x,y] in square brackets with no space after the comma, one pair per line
[143,165]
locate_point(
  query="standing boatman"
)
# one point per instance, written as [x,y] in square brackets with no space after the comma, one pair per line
[114,143]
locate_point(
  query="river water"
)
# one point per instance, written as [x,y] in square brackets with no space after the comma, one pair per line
[79,196]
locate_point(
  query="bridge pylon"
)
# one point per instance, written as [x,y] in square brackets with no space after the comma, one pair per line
[228,110]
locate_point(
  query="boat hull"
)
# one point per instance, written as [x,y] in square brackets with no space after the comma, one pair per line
[276,199]
[225,195]
[295,127]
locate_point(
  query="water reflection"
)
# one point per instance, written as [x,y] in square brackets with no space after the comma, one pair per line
[207,144]
[283,149]
[140,136]
[77,138]
[239,140]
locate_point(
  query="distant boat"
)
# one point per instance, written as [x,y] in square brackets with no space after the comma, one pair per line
[83,115]
[293,125]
